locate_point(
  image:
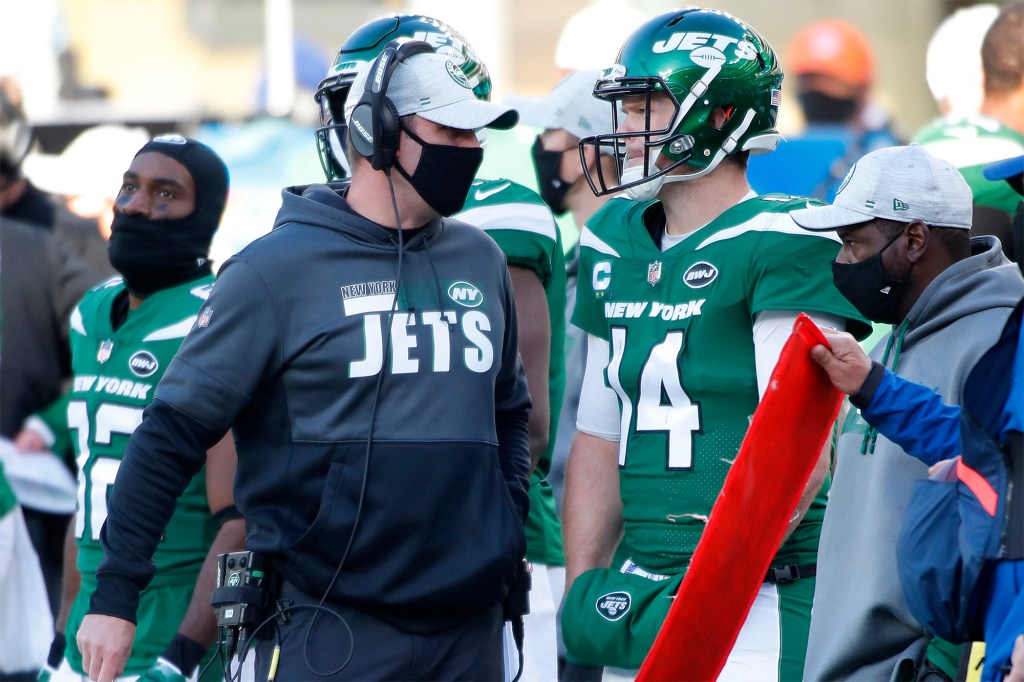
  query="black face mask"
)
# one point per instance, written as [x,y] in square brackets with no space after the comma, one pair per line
[820,108]
[552,187]
[444,174]
[157,254]
[872,292]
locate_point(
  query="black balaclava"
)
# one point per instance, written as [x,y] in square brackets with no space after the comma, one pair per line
[158,254]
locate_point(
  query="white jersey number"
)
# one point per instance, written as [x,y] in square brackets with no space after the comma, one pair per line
[94,481]
[680,418]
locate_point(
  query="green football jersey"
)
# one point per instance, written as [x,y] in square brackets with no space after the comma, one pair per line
[970,143]
[523,227]
[115,377]
[679,326]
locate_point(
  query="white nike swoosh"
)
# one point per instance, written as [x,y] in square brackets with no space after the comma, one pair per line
[483,194]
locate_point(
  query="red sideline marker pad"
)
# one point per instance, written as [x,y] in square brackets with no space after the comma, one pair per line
[786,436]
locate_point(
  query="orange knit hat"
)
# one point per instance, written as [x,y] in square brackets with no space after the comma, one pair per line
[831,47]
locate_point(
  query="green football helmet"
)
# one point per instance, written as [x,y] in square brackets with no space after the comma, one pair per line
[362,47]
[703,60]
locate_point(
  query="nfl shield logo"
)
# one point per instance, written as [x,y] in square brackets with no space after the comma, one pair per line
[204,318]
[106,347]
[654,272]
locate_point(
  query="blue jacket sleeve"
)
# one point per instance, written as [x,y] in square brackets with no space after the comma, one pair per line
[912,416]
[512,412]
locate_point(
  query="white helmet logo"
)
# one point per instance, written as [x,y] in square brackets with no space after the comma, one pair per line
[708,57]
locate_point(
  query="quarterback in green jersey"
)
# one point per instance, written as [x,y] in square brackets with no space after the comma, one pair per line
[124,334]
[525,230]
[689,286]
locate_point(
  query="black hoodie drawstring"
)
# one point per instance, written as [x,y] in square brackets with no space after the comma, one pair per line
[437,281]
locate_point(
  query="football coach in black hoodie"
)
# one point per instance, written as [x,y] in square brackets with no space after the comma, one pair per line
[364,352]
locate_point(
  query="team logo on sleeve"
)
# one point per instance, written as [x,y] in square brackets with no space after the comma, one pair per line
[204,317]
[699,275]
[143,363]
[654,273]
[614,605]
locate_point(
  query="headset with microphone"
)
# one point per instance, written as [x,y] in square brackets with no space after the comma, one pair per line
[373,124]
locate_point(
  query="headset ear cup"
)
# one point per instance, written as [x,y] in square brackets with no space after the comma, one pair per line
[389,130]
[360,130]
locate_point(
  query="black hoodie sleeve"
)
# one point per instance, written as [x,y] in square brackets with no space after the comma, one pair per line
[162,456]
[197,400]
[512,411]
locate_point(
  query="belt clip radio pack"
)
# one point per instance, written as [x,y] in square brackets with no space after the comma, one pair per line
[242,597]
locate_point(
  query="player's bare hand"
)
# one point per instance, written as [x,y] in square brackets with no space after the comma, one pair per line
[846,363]
[28,440]
[105,642]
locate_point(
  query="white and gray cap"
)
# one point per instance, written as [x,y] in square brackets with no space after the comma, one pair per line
[571,106]
[434,87]
[895,183]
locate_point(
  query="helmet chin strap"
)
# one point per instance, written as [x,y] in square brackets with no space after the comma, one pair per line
[649,190]
[643,192]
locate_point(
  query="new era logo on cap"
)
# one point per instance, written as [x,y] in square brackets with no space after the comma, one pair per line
[898,205]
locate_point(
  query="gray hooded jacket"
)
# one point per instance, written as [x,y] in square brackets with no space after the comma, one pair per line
[860,626]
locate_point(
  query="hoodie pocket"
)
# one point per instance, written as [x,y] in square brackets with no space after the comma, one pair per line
[337,513]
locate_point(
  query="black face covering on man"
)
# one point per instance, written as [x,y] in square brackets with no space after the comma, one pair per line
[157,254]
[872,292]
[444,174]
[551,186]
[821,108]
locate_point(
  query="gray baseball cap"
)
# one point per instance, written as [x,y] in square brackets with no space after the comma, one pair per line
[434,87]
[571,106]
[896,183]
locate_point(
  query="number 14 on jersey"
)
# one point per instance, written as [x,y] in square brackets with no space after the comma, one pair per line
[678,417]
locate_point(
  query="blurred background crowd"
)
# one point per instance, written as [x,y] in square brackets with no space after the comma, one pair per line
[239,74]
